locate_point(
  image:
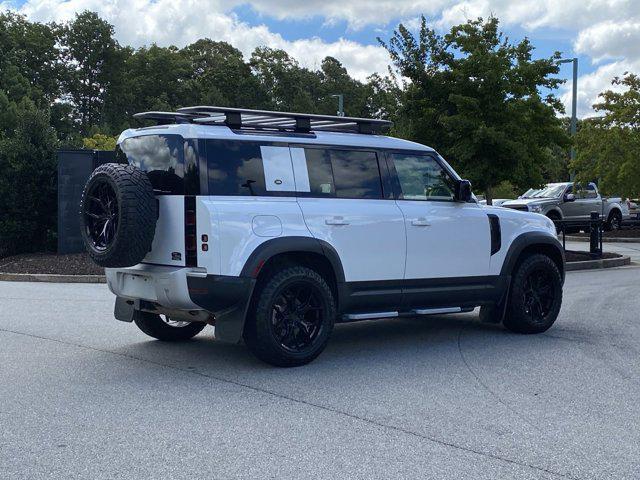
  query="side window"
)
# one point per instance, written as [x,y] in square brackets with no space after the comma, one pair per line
[356,174]
[591,191]
[161,156]
[341,173]
[249,168]
[318,163]
[422,178]
[235,168]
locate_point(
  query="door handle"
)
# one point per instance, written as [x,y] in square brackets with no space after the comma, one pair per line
[420,222]
[336,221]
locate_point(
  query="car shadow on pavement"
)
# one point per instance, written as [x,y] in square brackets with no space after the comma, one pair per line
[381,340]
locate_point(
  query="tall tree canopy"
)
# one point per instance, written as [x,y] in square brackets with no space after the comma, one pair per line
[608,147]
[476,96]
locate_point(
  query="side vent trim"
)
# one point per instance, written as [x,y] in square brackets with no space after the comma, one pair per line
[496,233]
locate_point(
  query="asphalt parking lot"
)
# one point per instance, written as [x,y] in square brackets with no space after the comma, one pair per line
[85,396]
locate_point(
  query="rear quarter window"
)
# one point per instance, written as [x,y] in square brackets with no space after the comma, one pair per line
[161,156]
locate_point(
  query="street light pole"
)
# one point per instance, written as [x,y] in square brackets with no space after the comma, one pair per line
[574,103]
[340,98]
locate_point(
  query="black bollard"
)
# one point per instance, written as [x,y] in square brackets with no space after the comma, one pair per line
[595,247]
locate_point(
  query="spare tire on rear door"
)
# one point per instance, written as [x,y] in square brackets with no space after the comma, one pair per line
[118,214]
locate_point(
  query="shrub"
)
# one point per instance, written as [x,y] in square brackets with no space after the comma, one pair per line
[28,183]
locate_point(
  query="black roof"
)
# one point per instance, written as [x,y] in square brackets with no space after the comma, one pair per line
[266,120]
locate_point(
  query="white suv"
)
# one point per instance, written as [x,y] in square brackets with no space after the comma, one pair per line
[274,226]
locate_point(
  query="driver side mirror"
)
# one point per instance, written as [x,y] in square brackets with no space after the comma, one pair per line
[569,197]
[463,191]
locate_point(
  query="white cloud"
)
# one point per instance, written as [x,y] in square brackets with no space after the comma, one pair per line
[170,22]
[608,39]
[594,83]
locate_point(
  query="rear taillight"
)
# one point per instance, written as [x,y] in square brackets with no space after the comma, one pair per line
[190,218]
[190,235]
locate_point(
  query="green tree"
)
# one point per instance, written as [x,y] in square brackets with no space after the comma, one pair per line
[476,96]
[28,182]
[100,141]
[218,75]
[29,58]
[94,61]
[289,86]
[608,147]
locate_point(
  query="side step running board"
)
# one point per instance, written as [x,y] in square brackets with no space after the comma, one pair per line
[353,317]
[369,316]
[434,311]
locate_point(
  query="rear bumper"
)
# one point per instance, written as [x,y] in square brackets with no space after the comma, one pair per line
[227,298]
[164,285]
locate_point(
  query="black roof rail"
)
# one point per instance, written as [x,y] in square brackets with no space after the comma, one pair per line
[244,118]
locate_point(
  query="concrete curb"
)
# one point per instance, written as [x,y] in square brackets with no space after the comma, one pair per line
[51,278]
[571,238]
[595,264]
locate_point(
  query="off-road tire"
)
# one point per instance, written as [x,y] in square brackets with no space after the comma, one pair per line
[155,327]
[614,222]
[136,215]
[259,333]
[517,320]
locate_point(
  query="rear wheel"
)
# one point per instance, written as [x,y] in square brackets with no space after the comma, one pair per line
[291,317]
[165,329]
[536,296]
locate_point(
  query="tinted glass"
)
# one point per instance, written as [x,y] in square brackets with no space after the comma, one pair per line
[356,174]
[235,168]
[320,172]
[161,156]
[422,178]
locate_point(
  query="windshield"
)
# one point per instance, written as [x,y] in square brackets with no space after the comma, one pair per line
[550,191]
[529,193]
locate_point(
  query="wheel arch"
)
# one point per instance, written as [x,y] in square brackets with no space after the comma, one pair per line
[533,242]
[555,211]
[305,249]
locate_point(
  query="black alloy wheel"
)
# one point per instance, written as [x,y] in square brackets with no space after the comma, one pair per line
[538,295]
[297,316]
[535,296]
[100,211]
[291,316]
[118,214]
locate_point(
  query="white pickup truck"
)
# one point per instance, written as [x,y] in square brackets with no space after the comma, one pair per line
[566,201]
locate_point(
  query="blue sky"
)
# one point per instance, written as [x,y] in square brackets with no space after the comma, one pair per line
[603,34]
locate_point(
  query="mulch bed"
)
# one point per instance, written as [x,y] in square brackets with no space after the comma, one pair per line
[72,264]
[625,232]
[573,256]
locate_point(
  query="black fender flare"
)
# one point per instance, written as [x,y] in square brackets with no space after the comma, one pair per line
[528,239]
[276,246]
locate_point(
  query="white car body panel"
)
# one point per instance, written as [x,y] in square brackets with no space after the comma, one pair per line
[439,233]
[368,235]
[168,246]
[514,223]
[230,223]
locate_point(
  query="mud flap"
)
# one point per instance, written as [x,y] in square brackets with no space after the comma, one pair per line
[124,310]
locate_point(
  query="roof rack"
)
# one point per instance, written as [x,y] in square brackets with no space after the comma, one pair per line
[238,118]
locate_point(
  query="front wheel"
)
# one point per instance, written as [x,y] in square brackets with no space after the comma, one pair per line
[291,317]
[165,329]
[614,222]
[536,296]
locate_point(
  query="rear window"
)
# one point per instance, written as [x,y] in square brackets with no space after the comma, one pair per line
[161,156]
